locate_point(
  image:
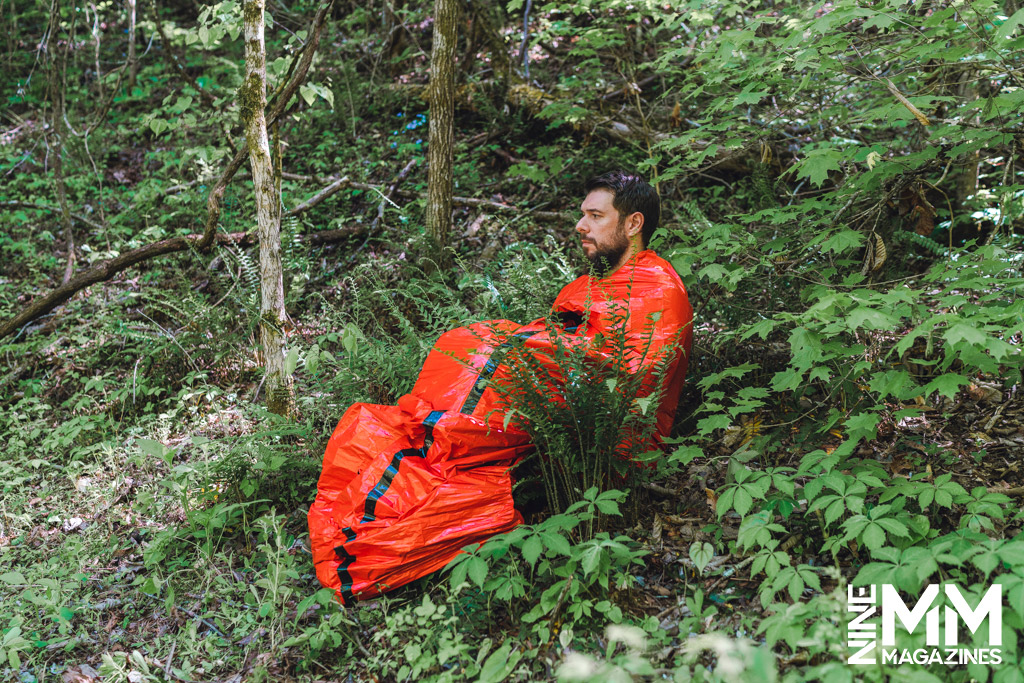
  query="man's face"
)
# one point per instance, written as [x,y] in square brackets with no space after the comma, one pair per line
[602,231]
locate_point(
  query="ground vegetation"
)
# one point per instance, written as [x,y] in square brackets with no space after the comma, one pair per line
[843,195]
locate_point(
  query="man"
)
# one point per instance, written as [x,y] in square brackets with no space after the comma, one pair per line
[404,488]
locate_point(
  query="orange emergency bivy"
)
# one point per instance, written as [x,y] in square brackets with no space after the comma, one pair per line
[404,488]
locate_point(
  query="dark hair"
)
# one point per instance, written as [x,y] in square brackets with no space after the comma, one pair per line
[631,193]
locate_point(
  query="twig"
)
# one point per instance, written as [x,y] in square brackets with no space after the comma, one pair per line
[995,416]
[561,601]
[194,616]
[170,657]
[391,190]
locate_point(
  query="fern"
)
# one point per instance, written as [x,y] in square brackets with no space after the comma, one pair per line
[590,419]
[926,243]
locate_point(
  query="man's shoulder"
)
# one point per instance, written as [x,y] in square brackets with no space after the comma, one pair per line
[655,270]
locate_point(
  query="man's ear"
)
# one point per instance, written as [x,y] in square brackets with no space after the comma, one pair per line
[634,223]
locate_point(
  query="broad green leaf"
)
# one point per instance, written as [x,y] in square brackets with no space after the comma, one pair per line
[743,501]
[556,543]
[964,332]
[500,664]
[477,570]
[865,317]
[151,447]
[818,163]
[701,554]
[863,425]
[1010,26]
[590,558]
[842,240]
[291,360]
[947,385]
[532,549]
[873,536]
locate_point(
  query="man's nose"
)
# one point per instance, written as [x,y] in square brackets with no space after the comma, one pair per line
[580,227]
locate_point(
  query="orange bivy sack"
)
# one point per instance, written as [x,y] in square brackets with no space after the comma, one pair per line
[404,488]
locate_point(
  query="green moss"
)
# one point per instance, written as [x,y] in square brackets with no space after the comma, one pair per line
[252,12]
[251,97]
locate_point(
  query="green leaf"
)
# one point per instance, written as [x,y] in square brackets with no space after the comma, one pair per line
[477,570]
[947,385]
[701,554]
[964,332]
[532,549]
[843,240]
[986,561]
[874,573]
[834,511]
[865,317]
[16,578]
[873,536]
[312,361]
[590,558]
[1013,553]
[796,587]
[862,426]
[710,424]
[817,164]
[1010,26]
[500,664]
[743,501]
[893,527]
[556,543]
[291,360]
[608,507]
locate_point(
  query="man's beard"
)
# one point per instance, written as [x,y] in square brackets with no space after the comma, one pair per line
[607,256]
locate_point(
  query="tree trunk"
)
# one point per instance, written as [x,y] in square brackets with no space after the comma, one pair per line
[133,63]
[253,103]
[442,117]
[56,130]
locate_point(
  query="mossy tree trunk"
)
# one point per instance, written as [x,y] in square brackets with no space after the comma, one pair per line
[253,103]
[442,117]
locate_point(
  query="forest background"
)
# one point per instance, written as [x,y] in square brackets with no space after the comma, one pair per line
[843,196]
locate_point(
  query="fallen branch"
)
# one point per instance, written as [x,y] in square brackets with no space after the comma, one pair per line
[1015,491]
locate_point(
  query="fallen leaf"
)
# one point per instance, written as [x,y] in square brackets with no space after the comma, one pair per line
[81,673]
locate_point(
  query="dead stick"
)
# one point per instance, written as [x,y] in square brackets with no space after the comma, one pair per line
[391,190]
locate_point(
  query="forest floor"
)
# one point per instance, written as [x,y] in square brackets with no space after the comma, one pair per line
[131,559]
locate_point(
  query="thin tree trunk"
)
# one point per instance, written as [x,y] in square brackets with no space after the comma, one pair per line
[56,77]
[442,116]
[133,63]
[253,103]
